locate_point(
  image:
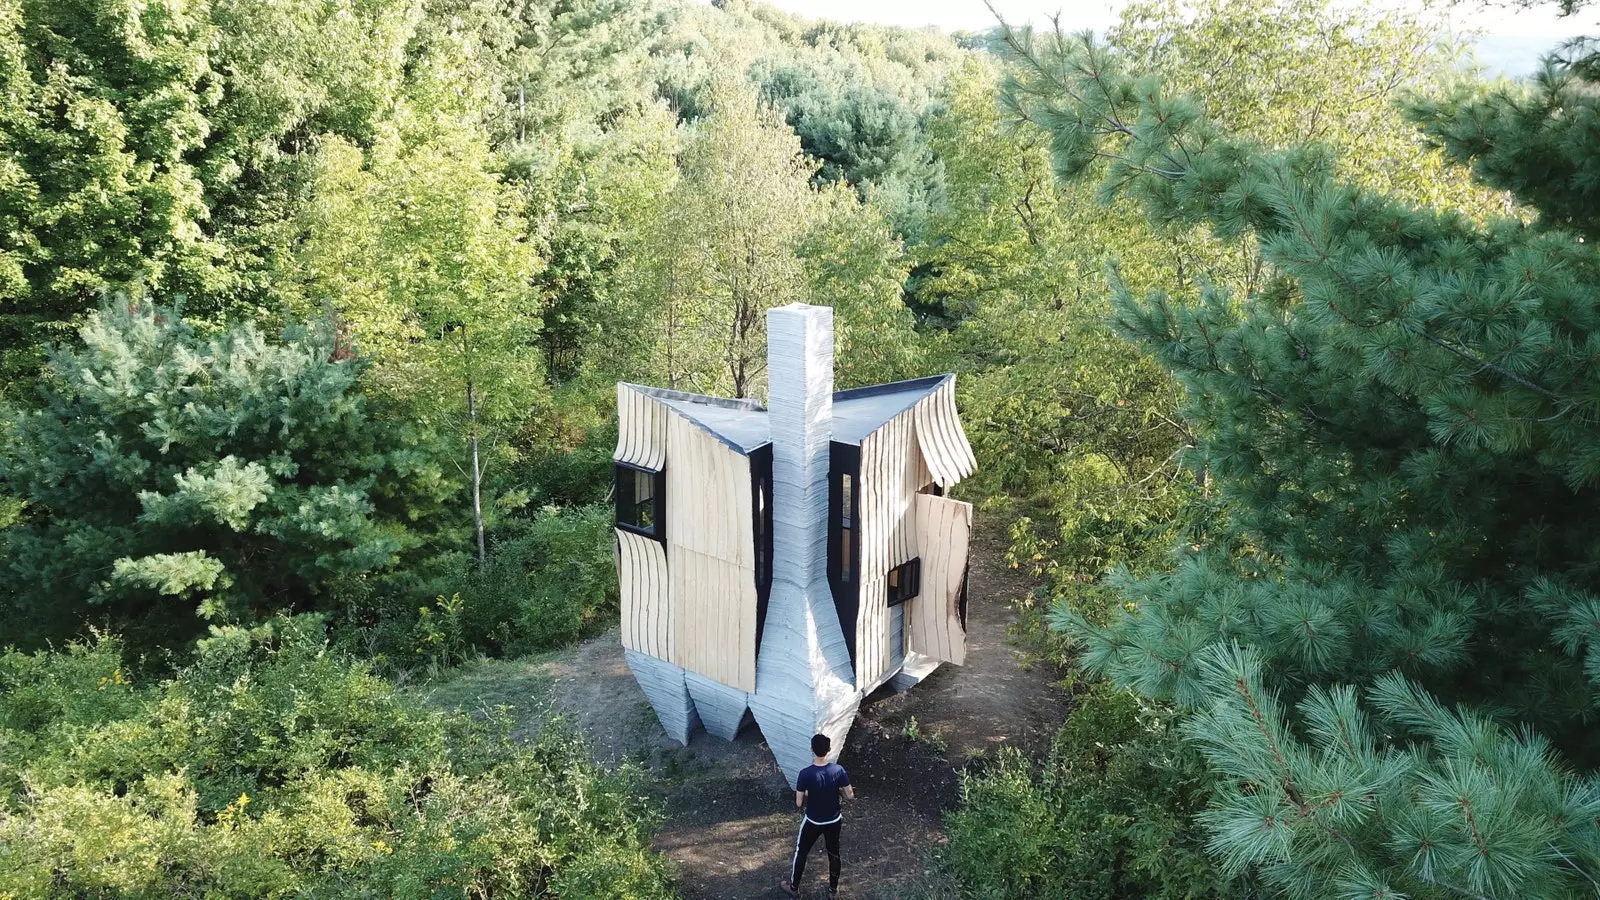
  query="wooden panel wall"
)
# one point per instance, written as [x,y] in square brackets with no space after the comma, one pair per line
[944,443]
[711,556]
[891,473]
[647,611]
[933,621]
[641,428]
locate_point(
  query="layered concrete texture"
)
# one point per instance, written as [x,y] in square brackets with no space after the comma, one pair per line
[721,708]
[664,686]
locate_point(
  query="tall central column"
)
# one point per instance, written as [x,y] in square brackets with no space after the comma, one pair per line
[804,683]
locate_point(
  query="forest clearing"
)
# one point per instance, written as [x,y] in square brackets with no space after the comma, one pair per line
[518,448]
[728,826]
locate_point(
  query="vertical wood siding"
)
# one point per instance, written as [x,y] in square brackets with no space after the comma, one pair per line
[944,444]
[647,611]
[892,471]
[710,556]
[641,428]
[933,622]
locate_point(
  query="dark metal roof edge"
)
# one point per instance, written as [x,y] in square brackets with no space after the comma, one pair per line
[914,389]
[726,441]
[704,399]
[924,383]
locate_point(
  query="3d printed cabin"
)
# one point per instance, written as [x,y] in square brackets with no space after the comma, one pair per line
[785,562]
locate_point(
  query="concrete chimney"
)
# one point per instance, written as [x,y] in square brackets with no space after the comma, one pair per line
[804,681]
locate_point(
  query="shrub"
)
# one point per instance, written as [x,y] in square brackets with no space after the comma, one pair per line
[168,472]
[1107,817]
[550,581]
[272,766]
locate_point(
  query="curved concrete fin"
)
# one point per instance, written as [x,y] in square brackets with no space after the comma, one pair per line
[721,708]
[663,685]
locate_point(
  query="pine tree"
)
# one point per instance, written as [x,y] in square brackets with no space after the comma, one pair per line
[167,472]
[1390,641]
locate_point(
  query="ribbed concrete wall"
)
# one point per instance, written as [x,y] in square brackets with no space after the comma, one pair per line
[915,668]
[721,708]
[804,682]
[663,685]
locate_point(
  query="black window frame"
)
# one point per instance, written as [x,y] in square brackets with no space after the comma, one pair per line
[904,582]
[845,543]
[626,476]
[761,498]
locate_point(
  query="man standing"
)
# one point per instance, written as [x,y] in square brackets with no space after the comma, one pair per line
[817,791]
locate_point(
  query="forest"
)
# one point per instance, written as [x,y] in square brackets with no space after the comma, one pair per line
[1276,328]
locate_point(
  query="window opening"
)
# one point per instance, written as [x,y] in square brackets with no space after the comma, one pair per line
[641,499]
[905,581]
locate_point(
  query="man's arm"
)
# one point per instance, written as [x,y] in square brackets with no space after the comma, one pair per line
[849,792]
[799,799]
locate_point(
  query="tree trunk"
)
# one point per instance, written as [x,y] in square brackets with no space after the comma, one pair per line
[477,475]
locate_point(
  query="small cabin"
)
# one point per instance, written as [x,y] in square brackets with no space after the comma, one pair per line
[826,514]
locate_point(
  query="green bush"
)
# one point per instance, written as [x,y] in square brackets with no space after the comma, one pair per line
[272,767]
[1107,817]
[168,472]
[550,581]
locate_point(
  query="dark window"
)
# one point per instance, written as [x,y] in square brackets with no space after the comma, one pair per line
[761,499]
[905,581]
[761,511]
[933,488]
[844,549]
[763,524]
[847,525]
[641,499]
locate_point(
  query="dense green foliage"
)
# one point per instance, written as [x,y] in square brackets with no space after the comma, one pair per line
[1386,641]
[274,767]
[169,473]
[164,143]
[1108,814]
[415,244]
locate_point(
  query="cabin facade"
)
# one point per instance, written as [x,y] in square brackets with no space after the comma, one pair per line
[780,563]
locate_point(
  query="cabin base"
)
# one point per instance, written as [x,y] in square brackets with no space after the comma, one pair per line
[915,669]
[664,686]
[721,708]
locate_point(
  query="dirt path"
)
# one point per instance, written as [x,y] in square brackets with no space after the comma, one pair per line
[730,816]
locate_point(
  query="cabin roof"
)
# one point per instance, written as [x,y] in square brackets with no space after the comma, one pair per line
[742,424]
[742,429]
[861,411]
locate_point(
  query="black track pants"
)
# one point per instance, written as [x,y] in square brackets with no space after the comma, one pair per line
[805,840]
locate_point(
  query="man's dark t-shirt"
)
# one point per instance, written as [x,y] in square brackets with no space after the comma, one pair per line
[822,785]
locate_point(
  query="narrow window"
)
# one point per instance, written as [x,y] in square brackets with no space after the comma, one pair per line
[641,499]
[644,501]
[762,514]
[761,530]
[905,581]
[846,526]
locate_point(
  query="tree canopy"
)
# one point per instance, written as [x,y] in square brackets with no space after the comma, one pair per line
[1386,641]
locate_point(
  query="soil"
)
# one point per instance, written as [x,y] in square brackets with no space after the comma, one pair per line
[730,817]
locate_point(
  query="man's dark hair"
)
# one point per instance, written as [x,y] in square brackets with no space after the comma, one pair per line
[820,745]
